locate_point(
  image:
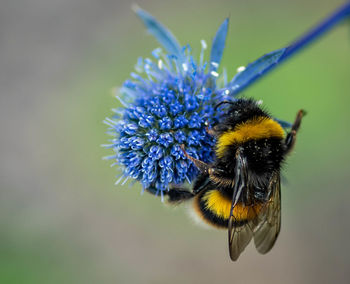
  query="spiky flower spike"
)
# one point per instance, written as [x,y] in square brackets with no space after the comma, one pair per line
[169,100]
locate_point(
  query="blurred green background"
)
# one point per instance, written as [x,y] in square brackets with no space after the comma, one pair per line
[61,218]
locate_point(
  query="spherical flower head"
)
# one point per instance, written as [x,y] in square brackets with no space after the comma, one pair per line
[166,104]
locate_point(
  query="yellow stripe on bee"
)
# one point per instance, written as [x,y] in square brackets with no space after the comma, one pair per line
[217,203]
[253,129]
[220,205]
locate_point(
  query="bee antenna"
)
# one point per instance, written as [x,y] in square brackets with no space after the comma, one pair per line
[223,102]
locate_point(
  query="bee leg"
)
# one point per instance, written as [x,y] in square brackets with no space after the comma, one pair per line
[178,195]
[201,183]
[203,167]
[210,131]
[291,136]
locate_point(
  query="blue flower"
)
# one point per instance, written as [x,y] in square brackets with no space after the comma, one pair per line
[166,104]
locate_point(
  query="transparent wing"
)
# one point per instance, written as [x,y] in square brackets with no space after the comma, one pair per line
[268,221]
[239,236]
[260,221]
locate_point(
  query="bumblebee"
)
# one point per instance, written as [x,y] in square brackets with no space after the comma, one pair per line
[241,189]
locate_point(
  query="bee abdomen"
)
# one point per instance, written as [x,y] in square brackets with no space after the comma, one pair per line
[214,208]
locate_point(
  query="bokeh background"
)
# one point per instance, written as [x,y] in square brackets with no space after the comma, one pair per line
[62,220]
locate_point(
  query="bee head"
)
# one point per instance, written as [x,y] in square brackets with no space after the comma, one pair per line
[238,111]
[244,109]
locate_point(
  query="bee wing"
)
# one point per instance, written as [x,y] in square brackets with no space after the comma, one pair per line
[239,236]
[268,223]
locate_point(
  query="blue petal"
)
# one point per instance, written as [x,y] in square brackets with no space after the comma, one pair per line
[255,70]
[161,33]
[218,45]
[284,124]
